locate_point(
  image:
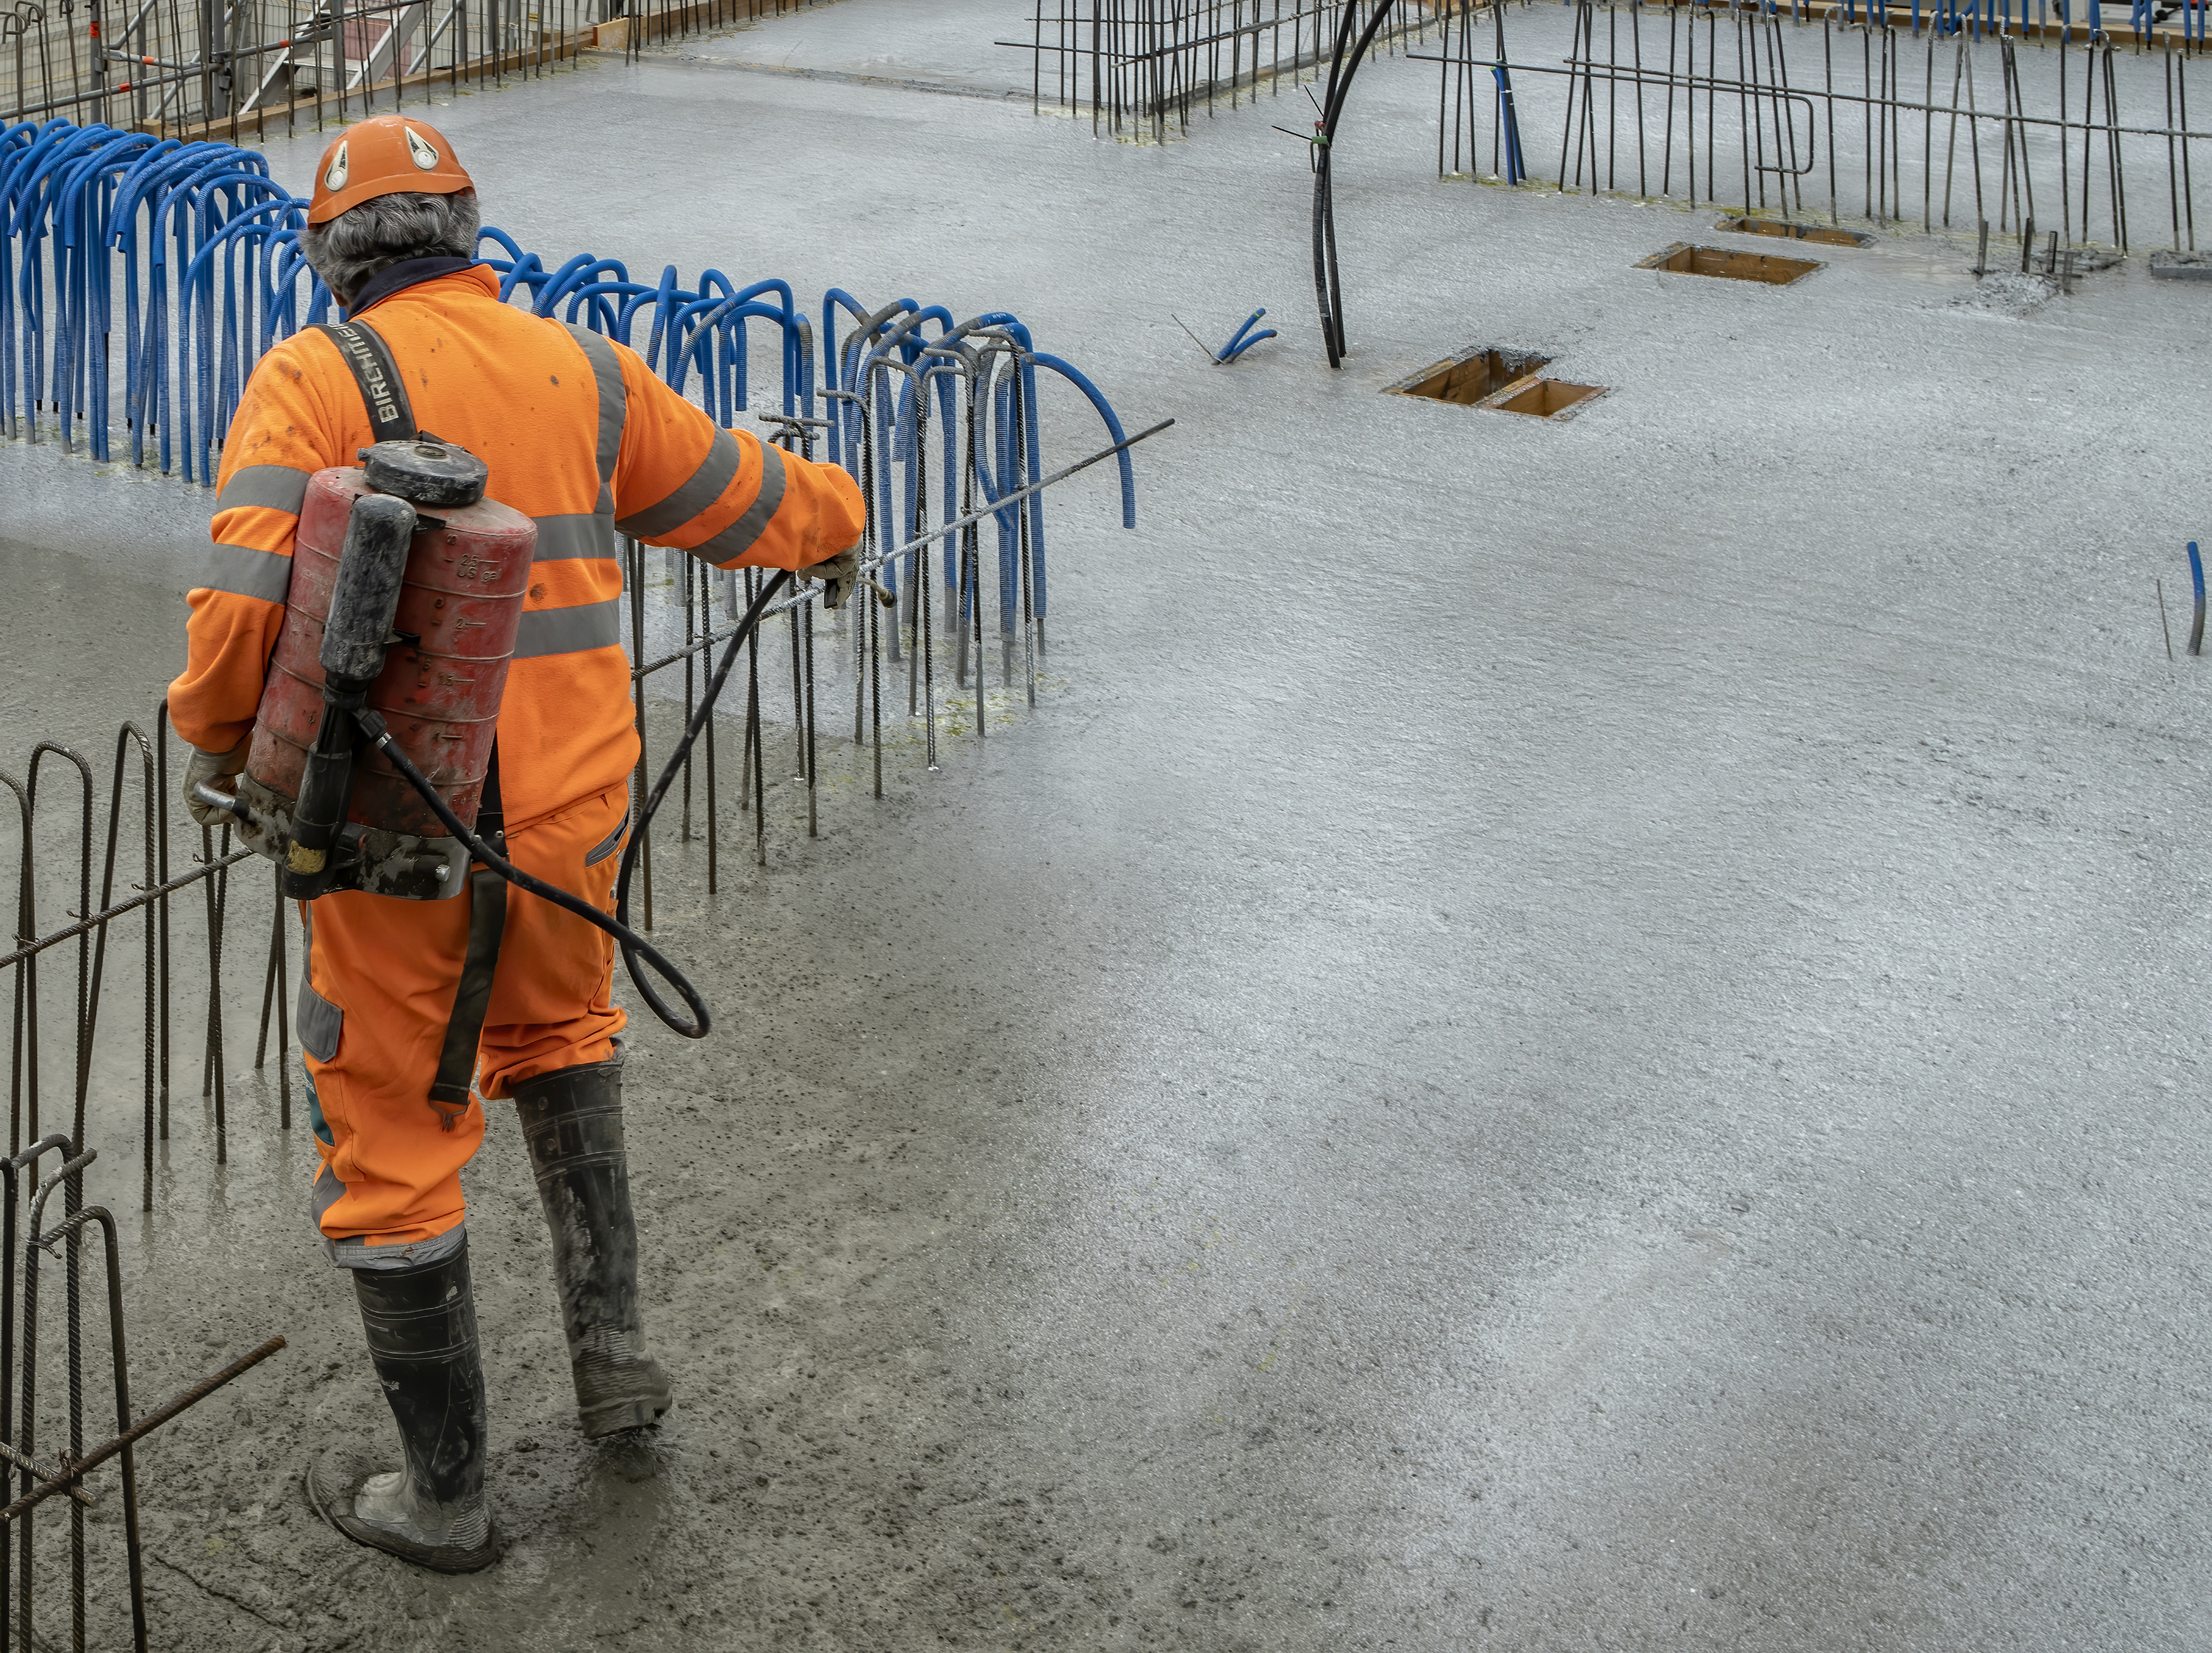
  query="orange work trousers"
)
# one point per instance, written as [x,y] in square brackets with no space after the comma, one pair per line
[381,975]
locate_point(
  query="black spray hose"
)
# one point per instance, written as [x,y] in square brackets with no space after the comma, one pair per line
[653,800]
[633,945]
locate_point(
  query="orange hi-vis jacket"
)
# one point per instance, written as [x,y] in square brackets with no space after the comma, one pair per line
[580,436]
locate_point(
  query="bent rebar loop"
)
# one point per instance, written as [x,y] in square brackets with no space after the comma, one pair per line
[845,371]
[10,1173]
[712,332]
[33,188]
[1021,447]
[25,1008]
[907,438]
[234,350]
[1007,377]
[68,1172]
[833,354]
[895,426]
[999,365]
[586,283]
[211,360]
[1028,474]
[119,1355]
[954,457]
[284,264]
[664,299]
[799,386]
[155,804]
[921,674]
[161,189]
[868,623]
[27,982]
[66,1234]
[957,359]
[15,142]
[185,210]
[582,270]
[910,423]
[1004,371]
[79,186]
[1010,383]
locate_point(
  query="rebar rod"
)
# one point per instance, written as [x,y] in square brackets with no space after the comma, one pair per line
[74,1473]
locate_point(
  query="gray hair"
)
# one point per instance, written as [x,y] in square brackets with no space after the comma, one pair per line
[389,229]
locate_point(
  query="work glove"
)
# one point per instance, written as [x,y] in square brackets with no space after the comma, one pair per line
[837,576]
[215,768]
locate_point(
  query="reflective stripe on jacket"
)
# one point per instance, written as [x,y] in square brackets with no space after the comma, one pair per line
[580,436]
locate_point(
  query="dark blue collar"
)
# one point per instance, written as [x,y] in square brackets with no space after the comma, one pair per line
[397,277]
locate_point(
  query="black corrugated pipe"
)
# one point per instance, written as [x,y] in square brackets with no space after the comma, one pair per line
[1326,287]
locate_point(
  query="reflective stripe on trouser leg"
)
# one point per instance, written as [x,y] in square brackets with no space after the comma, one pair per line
[356,1252]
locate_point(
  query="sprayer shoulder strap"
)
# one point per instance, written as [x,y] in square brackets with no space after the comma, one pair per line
[382,390]
[487,895]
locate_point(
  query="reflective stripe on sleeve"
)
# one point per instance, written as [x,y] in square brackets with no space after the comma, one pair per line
[715,475]
[569,630]
[738,539]
[245,572]
[583,534]
[606,371]
[278,486]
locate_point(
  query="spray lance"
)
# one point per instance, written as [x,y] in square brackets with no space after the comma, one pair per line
[384,690]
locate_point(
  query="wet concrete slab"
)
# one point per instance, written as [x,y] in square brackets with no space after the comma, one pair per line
[1559,1034]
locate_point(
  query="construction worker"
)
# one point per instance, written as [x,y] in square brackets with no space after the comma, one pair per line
[582,437]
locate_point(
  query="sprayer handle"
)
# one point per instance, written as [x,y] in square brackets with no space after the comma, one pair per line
[228,802]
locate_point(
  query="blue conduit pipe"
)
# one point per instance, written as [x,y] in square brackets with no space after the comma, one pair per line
[2197,578]
[1516,168]
[1243,339]
[206,246]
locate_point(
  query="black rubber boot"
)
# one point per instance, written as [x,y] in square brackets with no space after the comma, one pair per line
[422,1327]
[572,1120]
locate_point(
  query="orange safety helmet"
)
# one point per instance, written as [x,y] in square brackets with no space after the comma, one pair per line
[385,154]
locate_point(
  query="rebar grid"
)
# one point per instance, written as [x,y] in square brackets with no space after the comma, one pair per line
[1954,118]
[1139,68]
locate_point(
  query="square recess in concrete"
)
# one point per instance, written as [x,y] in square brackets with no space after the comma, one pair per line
[1469,377]
[1823,234]
[1547,399]
[1769,267]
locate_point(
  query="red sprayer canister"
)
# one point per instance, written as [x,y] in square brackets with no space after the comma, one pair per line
[467,573]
